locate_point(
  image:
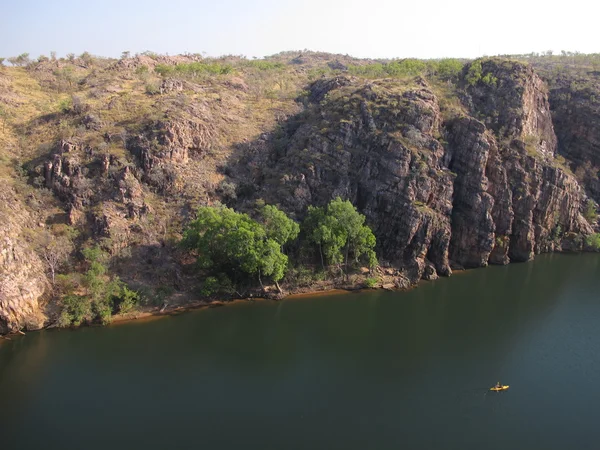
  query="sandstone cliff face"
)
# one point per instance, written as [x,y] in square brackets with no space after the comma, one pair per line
[482,187]
[575,105]
[511,192]
[373,144]
[22,278]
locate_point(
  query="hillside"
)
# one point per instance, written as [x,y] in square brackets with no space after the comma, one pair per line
[455,164]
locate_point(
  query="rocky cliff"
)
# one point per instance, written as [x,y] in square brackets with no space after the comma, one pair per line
[575,104]
[487,165]
[22,278]
[482,186]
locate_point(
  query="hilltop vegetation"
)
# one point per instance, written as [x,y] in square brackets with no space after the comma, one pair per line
[108,165]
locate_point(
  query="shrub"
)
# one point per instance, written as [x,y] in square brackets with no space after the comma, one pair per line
[76,310]
[152,88]
[593,241]
[193,69]
[103,294]
[265,65]
[590,213]
[65,105]
[210,286]
[371,282]
[127,300]
[449,68]
[474,73]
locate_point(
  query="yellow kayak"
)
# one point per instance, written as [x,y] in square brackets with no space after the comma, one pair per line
[501,388]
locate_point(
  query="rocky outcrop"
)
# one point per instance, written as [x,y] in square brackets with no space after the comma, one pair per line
[535,196]
[22,278]
[173,141]
[374,144]
[493,193]
[511,198]
[575,105]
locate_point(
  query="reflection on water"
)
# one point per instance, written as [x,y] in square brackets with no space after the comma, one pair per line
[364,370]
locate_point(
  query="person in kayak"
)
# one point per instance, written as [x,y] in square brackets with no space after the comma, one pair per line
[498,385]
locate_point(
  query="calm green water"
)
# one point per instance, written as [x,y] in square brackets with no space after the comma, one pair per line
[360,371]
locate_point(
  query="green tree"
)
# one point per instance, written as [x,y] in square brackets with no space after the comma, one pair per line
[225,240]
[20,61]
[278,225]
[474,73]
[449,68]
[340,231]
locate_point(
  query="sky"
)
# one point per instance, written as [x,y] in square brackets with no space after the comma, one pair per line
[256,28]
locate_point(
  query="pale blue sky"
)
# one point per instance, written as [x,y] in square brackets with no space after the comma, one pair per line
[363,28]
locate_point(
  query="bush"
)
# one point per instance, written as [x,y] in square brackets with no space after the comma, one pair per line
[65,105]
[103,294]
[593,241]
[127,300]
[590,213]
[265,65]
[227,190]
[209,287]
[76,310]
[371,282]
[449,68]
[474,73]
[193,69]
[152,89]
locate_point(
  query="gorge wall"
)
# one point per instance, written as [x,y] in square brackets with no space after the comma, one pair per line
[475,185]
[492,166]
[22,278]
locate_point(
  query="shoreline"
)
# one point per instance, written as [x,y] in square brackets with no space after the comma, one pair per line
[330,288]
[300,293]
[156,313]
[146,316]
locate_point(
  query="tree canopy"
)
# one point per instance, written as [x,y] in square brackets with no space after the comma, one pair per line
[340,232]
[278,226]
[233,242]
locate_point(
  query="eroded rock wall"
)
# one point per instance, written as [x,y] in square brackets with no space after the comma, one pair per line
[22,278]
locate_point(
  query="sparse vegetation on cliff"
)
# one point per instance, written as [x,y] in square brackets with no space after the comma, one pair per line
[593,241]
[96,295]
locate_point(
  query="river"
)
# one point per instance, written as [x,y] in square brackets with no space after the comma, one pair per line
[370,370]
